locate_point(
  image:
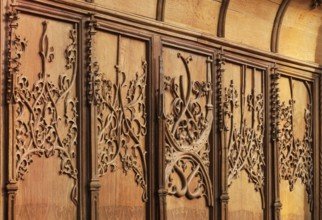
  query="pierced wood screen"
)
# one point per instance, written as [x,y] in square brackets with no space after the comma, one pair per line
[110,118]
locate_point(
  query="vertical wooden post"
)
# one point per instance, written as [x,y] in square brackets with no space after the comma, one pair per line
[13,68]
[275,102]
[94,185]
[162,192]
[224,197]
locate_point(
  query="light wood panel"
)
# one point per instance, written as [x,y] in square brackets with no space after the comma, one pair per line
[243,143]
[199,15]
[301,31]
[250,22]
[44,118]
[296,149]
[145,8]
[121,120]
[120,161]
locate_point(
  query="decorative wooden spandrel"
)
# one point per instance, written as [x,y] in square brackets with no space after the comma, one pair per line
[43,111]
[119,95]
[188,113]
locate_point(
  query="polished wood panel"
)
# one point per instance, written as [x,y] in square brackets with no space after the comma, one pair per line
[138,111]
[44,118]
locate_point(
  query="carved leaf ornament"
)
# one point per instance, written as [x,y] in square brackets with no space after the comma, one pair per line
[296,156]
[39,117]
[187,131]
[121,124]
[245,142]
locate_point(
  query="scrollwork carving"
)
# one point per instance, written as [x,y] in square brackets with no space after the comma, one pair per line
[187,131]
[121,124]
[245,143]
[42,126]
[296,157]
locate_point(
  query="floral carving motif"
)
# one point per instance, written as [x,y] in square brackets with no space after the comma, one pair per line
[245,144]
[295,156]
[42,126]
[121,124]
[187,131]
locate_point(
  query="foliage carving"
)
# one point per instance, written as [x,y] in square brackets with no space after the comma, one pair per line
[121,123]
[187,131]
[46,113]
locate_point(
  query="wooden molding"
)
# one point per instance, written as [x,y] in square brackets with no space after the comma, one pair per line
[160,10]
[277,25]
[222,18]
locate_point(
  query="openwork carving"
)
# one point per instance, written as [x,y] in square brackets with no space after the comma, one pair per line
[121,125]
[296,157]
[245,143]
[45,113]
[187,131]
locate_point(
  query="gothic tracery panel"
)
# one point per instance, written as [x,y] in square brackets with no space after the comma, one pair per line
[44,110]
[242,109]
[295,145]
[119,82]
[188,112]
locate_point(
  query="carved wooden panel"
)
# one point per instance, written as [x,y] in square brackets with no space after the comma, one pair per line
[242,111]
[188,113]
[43,117]
[233,137]
[118,80]
[295,145]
